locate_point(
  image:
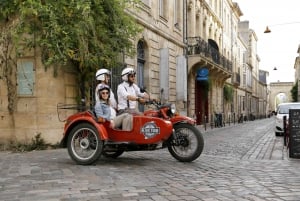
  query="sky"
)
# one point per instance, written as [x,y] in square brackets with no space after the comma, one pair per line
[278,48]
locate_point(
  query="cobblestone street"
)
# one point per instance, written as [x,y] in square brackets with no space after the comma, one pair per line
[239,162]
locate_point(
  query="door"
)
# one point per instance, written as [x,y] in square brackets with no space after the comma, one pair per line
[201,98]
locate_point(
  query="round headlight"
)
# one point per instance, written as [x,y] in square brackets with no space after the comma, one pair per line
[173,108]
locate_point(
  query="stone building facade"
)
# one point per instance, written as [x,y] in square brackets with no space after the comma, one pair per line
[160,61]
[188,51]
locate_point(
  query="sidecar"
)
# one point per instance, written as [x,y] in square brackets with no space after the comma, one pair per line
[87,139]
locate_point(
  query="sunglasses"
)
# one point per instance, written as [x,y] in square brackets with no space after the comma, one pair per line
[132,75]
[104,93]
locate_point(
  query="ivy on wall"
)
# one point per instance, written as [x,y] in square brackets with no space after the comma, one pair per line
[84,34]
[228,93]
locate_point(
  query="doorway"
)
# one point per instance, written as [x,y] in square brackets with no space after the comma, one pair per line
[201,101]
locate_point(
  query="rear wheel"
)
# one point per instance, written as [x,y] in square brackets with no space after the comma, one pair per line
[84,144]
[187,143]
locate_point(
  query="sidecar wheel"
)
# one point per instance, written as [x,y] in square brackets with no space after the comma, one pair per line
[84,144]
[188,144]
[112,154]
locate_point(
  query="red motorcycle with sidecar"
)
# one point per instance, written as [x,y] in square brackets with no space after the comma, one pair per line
[87,139]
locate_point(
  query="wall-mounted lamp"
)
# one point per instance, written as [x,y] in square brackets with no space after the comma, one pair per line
[267,30]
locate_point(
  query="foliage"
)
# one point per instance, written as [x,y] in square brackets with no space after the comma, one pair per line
[86,34]
[294,92]
[228,93]
[37,143]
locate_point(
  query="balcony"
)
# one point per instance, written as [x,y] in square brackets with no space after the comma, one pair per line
[209,56]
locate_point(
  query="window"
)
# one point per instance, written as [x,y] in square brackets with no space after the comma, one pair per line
[177,12]
[163,8]
[25,77]
[164,73]
[146,2]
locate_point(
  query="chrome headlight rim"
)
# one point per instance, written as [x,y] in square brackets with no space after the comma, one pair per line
[173,108]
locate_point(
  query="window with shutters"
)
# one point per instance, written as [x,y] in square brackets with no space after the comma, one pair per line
[25,77]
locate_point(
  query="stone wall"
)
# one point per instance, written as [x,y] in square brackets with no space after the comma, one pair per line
[37,113]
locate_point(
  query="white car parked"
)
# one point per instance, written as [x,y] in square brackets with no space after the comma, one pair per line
[283,110]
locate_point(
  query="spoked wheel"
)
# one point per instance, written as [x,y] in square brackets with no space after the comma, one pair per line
[187,143]
[112,154]
[84,144]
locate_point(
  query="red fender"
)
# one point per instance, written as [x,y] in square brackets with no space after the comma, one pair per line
[177,118]
[80,118]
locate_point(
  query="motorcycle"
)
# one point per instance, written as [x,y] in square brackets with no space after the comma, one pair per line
[87,139]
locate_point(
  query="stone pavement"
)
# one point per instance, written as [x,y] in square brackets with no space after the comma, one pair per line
[155,176]
[267,147]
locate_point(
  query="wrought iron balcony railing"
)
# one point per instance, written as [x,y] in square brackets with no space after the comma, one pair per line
[196,45]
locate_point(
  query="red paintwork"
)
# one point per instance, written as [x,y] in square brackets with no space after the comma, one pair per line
[116,135]
[178,118]
[159,117]
[137,136]
[175,119]
[85,116]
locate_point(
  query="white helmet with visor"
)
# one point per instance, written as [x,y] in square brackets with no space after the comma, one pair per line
[100,74]
[126,72]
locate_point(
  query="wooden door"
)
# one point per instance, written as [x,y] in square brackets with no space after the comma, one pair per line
[201,101]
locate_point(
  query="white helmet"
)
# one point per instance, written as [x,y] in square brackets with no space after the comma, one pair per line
[100,74]
[126,72]
[102,87]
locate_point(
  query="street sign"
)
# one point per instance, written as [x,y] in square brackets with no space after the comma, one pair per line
[202,74]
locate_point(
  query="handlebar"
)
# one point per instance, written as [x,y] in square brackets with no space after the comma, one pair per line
[152,102]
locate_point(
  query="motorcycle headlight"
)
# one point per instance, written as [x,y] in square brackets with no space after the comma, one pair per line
[173,108]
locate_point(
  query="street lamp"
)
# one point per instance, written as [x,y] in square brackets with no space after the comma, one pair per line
[268,30]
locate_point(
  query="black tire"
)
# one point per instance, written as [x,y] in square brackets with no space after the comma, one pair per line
[188,144]
[112,154]
[84,144]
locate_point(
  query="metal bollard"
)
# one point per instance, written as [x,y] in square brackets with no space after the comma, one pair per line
[284,131]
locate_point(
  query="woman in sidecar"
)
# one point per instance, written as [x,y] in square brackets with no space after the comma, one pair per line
[103,111]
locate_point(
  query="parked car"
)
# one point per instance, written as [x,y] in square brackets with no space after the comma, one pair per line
[283,110]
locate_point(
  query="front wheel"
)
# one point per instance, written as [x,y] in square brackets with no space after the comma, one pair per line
[84,144]
[186,143]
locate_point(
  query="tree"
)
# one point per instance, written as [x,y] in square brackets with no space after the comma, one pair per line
[86,34]
[294,92]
